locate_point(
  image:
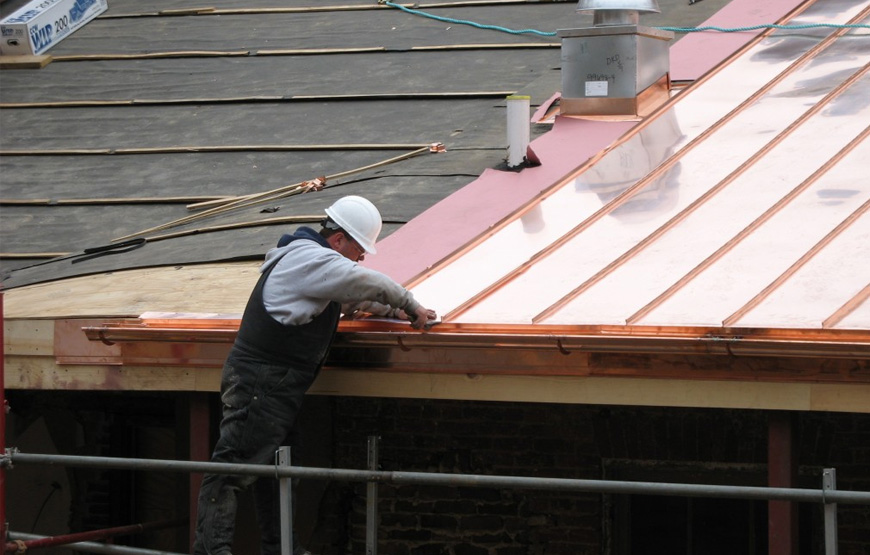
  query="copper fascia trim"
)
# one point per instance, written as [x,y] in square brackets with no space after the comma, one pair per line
[120,333]
[853,344]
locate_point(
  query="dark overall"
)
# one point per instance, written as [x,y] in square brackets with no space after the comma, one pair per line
[265,377]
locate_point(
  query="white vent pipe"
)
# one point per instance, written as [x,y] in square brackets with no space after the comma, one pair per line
[517,129]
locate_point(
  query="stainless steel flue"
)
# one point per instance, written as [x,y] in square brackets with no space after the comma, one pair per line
[614,66]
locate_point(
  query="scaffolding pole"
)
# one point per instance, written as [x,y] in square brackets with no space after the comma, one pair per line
[829,484]
[372,500]
[285,493]
[470,480]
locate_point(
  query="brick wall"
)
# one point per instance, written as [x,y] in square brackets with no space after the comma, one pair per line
[842,441]
[472,438]
[570,441]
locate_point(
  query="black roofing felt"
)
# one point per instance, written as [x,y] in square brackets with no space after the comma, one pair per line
[219,110]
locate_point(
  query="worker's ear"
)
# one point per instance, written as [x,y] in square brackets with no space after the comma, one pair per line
[333,240]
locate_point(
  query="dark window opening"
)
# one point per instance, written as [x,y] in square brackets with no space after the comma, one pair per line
[664,525]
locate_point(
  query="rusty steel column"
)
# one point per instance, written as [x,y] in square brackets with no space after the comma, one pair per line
[782,521]
[200,448]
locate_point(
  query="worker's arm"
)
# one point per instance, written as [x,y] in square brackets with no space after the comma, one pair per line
[309,276]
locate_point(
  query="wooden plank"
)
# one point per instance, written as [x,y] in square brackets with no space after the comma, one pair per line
[840,398]
[221,288]
[27,337]
[25,62]
[717,367]
[570,389]
[42,373]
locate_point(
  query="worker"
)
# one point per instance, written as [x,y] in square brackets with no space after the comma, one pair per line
[306,283]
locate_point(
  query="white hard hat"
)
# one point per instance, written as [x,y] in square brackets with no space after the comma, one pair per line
[359,218]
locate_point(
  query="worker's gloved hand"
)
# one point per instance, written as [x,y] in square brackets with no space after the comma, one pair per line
[421,317]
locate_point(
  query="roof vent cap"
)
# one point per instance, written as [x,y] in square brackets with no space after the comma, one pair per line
[617,12]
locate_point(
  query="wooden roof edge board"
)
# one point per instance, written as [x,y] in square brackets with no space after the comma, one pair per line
[41,373]
[595,390]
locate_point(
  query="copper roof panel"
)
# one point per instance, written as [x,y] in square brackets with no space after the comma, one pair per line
[699,216]
[858,314]
[753,187]
[731,280]
[808,299]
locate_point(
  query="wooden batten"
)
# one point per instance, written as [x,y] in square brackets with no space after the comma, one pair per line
[25,62]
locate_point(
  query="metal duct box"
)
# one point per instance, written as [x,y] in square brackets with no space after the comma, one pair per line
[609,70]
[41,24]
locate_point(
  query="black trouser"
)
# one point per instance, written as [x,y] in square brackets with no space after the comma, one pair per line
[260,404]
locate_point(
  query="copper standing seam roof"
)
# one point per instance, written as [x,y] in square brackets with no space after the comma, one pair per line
[742,204]
[734,220]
